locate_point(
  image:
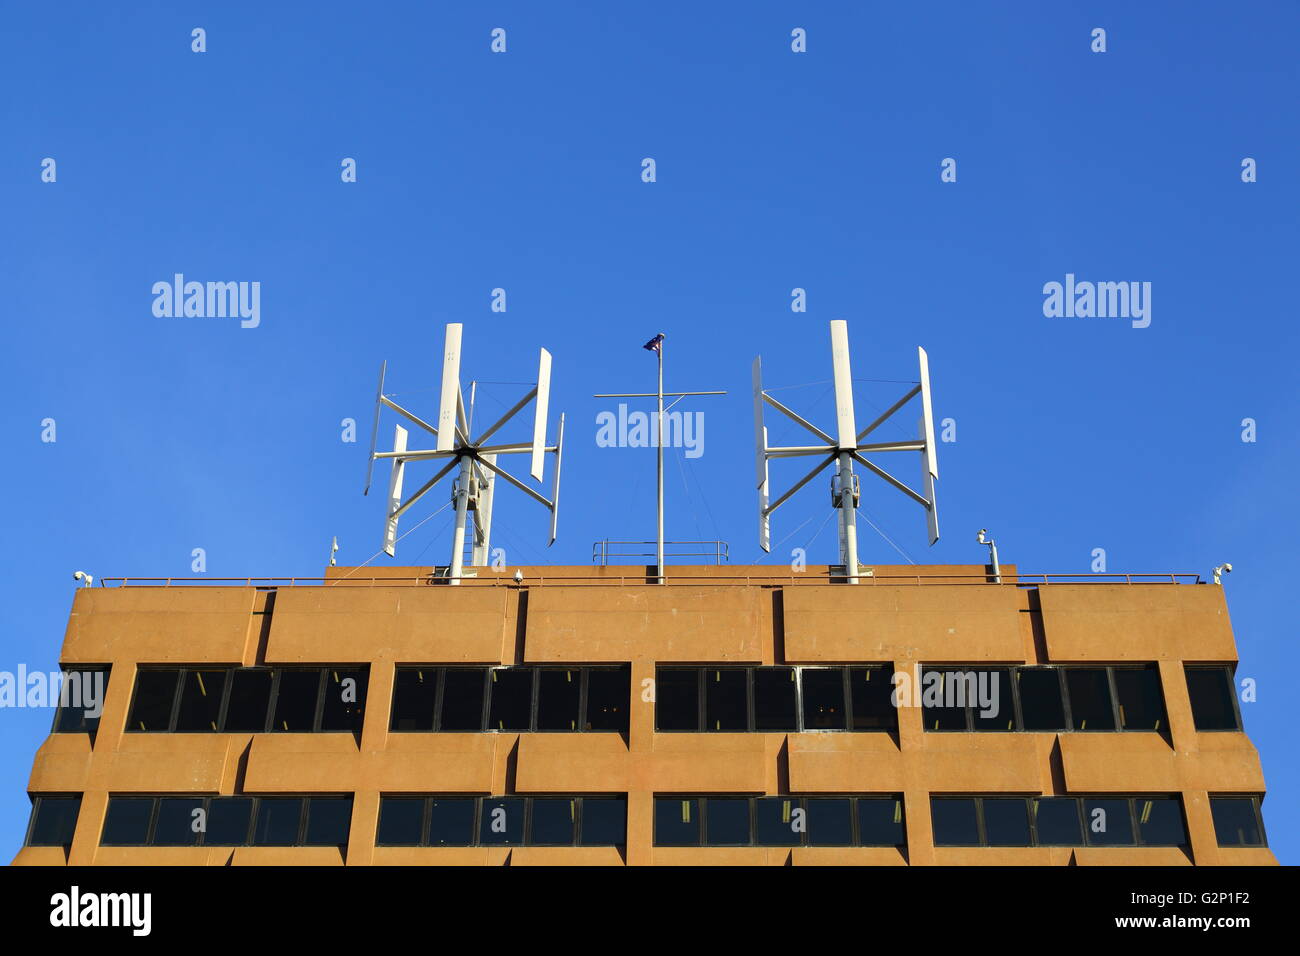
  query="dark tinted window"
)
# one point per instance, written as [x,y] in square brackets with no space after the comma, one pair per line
[328,821]
[1211,692]
[512,698]
[943,698]
[880,822]
[1108,822]
[823,699]
[278,820]
[451,821]
[558,694]
[178,822]
[727,822]
[155,693]
[1041,706]
[1006,821]
[503,821]
[201,693]
[604,821]
[54,820]
[401,822]
[608,699]
[726,699]
[414,695]
[127,821]
[872,691]
[993,708]
[830,822]
[677,821]
[1160,821]
[1235,821]
[1090,703]
[345,699]
[775,699]
[250,696]
[295,701]
[955,821]
[1057,821]
[677,700]
[462,699]
[554,821]
[1141,705]
[228,821]
[81,700]
[776,821]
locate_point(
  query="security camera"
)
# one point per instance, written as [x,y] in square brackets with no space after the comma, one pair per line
[980,537]
[1219,571]
[82,576]
[519,577]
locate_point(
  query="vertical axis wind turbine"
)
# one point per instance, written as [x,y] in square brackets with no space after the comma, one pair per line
[844,449]
[472,490]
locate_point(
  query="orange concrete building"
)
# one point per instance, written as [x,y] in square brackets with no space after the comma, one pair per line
[588,716]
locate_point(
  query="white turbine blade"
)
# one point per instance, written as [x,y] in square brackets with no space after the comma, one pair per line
[394,492]
[760,458]
[555,489]
[848,434]
[539,414]
[929,455]
[374,428]
[927,489]
[450,388]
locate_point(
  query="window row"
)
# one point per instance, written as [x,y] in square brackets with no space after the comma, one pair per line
[206,699]
[779,821]
[1042,698]
[249,699]
[1058,821]
[502,821]
[467,699]
[774,699]
[227,821]
[678,821]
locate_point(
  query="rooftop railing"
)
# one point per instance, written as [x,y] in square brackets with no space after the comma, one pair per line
[506,579]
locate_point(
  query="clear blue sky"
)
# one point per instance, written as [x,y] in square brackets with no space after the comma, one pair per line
[775,170]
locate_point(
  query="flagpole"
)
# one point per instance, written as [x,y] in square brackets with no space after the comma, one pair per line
[659,541]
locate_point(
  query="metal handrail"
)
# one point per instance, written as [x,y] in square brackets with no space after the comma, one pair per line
[602,551]
[503,579]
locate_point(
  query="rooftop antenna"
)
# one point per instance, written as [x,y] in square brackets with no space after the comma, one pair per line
[472,491]
[656,345]
[844,449]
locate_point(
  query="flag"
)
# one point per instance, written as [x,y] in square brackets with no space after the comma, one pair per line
[655,344]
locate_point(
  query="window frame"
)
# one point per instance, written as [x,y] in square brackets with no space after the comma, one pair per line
[1130,800]
[846,684]
[107,670]
[1062,671]
[37,801]
[1229,672]
[1257,805]
[441,671]
[205,800]
[268,722]
[476,821]
[801,802]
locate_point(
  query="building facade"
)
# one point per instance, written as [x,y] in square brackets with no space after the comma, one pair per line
[928,715]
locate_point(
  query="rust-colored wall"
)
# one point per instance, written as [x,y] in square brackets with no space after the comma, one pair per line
[905,616]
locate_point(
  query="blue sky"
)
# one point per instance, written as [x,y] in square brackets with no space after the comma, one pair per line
[775,170]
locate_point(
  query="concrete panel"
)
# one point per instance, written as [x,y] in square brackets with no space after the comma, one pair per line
[929,623]
[1136,622]
[413,624]
[185,624]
